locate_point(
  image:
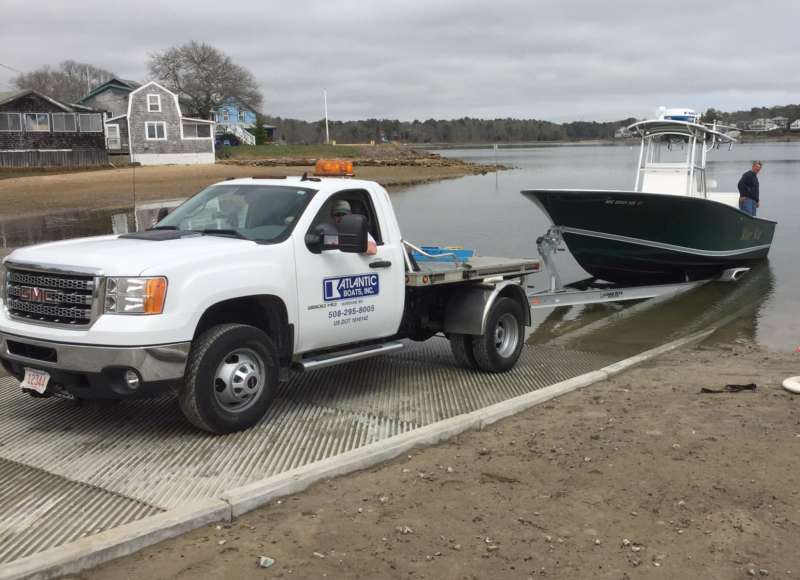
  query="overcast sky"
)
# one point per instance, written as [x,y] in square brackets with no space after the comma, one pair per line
[416,59]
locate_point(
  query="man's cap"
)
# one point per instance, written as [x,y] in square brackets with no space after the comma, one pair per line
[341,206]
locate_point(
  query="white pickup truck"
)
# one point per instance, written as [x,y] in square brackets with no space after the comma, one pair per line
[242,283]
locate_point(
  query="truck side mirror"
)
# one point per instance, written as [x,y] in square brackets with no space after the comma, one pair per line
[322,237]
[314,241]
[353,234]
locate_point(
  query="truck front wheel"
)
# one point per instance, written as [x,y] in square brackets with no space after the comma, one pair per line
[230,379]
[498,349]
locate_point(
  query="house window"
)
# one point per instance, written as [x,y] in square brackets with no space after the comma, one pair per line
[225,116]
[90,122]
[10,122]
[153,103]
[64,123]
[214,117]
[112,137]
[37,122]
[196,131]
[241,116]
[155,131]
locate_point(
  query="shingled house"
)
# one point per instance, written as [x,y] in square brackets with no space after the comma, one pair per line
[154,131]
[39,131]
[111,97]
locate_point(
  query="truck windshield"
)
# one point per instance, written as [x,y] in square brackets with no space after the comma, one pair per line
[262,213]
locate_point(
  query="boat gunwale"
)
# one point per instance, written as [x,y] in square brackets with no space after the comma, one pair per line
[632,192]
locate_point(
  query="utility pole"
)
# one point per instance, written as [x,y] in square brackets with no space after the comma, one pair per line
[325,101]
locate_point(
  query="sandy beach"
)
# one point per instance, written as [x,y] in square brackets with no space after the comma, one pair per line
[23,196]
[642,476]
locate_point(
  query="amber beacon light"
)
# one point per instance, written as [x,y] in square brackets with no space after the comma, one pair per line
[333,168]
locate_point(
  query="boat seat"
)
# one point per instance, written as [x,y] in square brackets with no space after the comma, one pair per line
[665,180]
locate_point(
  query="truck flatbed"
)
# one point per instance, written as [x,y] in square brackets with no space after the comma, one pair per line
[475,269]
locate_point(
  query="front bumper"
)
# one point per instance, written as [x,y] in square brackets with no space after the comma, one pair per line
[96,371]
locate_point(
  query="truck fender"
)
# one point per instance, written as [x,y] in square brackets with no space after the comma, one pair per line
[467,310]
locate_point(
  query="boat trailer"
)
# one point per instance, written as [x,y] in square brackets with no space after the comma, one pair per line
[592,292]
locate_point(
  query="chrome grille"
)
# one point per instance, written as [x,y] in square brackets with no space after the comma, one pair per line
[50,281]
[50,297]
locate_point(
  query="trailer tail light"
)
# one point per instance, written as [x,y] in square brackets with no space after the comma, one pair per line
[333,168]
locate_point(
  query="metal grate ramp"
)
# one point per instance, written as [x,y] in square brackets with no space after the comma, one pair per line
[39,510]
[75,471]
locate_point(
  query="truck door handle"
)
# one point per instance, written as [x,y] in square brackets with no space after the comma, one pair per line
[380,264]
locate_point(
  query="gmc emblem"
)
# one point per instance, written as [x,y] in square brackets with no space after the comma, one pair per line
[34,294]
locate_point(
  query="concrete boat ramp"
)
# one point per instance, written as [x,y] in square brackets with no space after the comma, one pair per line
[81,485]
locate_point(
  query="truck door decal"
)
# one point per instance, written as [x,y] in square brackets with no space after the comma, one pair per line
[346,287]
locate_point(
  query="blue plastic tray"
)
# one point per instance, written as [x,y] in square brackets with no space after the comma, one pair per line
[461,253]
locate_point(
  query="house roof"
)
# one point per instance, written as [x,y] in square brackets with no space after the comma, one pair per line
[77,107]
[130,83]
[196,120]
[8,96]
[114,83]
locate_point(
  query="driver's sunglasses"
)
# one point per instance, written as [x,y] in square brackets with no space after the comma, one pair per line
[340,214]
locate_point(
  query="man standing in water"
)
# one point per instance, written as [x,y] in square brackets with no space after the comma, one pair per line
[748,190]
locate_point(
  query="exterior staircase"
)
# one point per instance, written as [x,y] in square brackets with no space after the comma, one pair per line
[244,136]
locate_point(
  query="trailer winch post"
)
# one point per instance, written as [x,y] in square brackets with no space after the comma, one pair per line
[548,245]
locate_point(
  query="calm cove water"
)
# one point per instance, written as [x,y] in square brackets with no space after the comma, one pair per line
[489,214]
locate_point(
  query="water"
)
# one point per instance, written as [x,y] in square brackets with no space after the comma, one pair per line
[488,213]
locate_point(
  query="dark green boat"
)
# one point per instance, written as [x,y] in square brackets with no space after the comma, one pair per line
[670,229]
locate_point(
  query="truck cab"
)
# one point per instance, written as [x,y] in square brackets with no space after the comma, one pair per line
[241,283]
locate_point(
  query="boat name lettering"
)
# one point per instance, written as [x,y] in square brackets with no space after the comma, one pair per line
[612,294]
[750,233]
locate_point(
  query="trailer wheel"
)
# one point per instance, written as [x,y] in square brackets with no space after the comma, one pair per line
[498,349]
[230,378]
[461,345]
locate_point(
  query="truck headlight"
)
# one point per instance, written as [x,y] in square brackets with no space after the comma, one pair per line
[135,295]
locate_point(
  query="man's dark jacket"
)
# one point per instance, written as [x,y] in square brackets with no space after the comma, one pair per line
[748,185]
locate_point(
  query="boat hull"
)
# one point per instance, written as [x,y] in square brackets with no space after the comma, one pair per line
[629,237]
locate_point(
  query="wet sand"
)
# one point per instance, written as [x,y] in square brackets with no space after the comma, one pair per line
[642,476]
[24,196]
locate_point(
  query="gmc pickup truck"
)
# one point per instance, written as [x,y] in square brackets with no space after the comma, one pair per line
[243,283]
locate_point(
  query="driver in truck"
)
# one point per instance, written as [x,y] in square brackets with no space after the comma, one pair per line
[341,208]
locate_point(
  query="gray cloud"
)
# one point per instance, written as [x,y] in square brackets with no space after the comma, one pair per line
[546,59]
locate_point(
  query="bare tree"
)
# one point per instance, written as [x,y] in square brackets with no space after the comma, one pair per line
[69,82]
[205,76]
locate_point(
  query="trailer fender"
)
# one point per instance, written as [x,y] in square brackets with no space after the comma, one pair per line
[468,308]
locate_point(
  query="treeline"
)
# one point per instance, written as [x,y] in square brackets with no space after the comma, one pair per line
[791,112]
[464,130]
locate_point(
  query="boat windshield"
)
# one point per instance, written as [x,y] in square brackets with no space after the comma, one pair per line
[670,149]
[262,213]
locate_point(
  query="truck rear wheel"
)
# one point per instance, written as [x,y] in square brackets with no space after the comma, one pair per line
[498,349]
[461,345]
[230,379]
